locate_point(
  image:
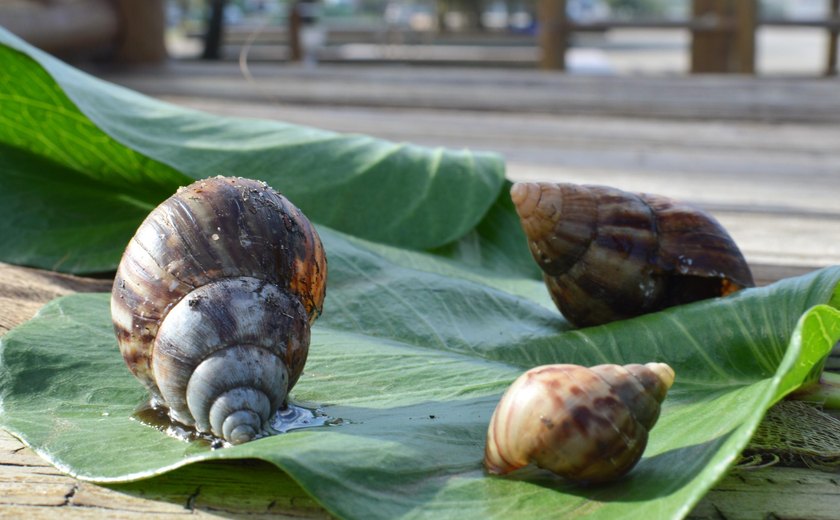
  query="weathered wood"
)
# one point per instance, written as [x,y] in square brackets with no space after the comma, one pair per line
[294,24]
[31,487]
[23,291]
[730,46]
[772,493]
[141,31]
[224,487]
[553,34]
[746,18]
[707,97]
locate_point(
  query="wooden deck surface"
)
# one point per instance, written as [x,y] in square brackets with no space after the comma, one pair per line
[761,155]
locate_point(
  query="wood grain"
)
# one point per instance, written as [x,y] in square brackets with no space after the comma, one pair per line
[729,98]
[23,291]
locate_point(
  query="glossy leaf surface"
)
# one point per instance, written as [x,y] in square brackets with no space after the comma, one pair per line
[60,128]
[413,360]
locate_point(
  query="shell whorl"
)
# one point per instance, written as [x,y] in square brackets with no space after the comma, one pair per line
[225,338]
[585,424]
[223,279]
[607,254]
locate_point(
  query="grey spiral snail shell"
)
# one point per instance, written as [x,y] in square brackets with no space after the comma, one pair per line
[607,254]
[588,425]
[213,300]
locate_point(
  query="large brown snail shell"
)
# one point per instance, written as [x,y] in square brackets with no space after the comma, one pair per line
[607,254]
[588,425]
[213,301]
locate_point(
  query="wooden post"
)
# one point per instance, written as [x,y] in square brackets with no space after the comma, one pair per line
[708,45]
[295,47]
[553,34]
[727,43]
[64,28]
[743,52]
[834,14]
[215,31]
[141,31]
[303,17]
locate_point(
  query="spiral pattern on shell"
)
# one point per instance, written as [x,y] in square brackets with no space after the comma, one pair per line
[588,425]
[607,254]
[213,300]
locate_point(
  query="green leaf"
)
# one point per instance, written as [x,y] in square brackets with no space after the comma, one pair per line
[73,130]
[46,215]
[497,243]
[412,353]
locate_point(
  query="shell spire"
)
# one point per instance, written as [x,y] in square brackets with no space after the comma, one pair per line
[607,254]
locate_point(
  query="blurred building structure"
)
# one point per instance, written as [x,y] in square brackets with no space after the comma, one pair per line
[717,36]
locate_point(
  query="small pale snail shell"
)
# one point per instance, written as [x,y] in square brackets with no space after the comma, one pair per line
[588,425]
[213,300]
[607,254]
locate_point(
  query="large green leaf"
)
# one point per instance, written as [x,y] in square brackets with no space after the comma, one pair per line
[412,353]
[75,131]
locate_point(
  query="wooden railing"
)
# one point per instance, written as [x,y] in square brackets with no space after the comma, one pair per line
[723,33]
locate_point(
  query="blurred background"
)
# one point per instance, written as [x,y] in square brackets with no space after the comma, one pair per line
[733,105]
[766,37]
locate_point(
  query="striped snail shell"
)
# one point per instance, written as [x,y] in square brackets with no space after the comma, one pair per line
[607,254]
[213,300]
[588,425]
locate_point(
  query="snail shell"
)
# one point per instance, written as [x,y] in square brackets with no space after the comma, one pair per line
[607,254]
[585,424]
[213,300]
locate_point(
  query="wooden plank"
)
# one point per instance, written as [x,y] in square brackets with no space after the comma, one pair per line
[554,34]
[29,493]
[806,148]
[533,92]
[222,487]
[787,492]
[30,486]
[80,513]
[24,291]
